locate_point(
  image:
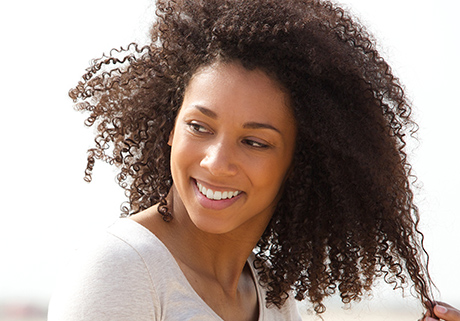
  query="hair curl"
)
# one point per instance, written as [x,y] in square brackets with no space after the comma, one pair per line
[347,214]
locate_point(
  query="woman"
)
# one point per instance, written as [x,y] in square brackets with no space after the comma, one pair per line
[261,146]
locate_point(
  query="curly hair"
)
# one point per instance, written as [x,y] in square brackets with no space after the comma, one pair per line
[346,215]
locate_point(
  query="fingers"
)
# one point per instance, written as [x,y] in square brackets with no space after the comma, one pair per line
[429,315]
[444,304]
[445,312]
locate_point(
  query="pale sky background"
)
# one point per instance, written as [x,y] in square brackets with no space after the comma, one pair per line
[47,208]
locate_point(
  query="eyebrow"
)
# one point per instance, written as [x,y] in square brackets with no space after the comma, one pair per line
[250,125]
[254,125]
[206,111]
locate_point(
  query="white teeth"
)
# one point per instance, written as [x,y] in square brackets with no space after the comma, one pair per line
[218,195]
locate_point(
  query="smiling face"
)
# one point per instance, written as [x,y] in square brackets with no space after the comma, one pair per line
[232,146]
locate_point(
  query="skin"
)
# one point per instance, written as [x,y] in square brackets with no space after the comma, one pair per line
[213,144]
[234,132]
[445,312]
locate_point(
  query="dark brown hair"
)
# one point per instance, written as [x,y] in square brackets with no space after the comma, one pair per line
[347,214]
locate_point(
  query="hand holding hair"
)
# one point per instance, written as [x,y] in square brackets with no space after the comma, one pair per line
[444,311]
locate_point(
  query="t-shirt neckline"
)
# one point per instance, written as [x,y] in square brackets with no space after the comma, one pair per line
[178,271]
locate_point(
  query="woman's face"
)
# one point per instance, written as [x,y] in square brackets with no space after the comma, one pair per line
[232,146]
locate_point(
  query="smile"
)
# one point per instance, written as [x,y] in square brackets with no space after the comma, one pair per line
[216,195]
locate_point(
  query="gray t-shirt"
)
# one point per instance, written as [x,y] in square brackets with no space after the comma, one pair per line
[130,275]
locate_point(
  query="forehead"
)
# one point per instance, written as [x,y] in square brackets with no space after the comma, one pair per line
[232,87]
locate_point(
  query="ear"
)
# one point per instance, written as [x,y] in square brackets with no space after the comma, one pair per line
[171,135]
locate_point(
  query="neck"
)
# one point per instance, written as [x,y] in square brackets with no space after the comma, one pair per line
[219,257]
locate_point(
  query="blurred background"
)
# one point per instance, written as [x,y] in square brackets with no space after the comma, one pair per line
[48,209]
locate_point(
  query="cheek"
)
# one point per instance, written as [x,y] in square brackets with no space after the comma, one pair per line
[184,154]
[177,159]
[269,175]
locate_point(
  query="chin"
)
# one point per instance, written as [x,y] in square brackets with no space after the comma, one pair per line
[212,226]
[214,222]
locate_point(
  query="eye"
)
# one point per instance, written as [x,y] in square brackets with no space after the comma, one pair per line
[197,128]
[255,144]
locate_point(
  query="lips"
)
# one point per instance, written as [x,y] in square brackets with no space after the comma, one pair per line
[217,195]
[211,200]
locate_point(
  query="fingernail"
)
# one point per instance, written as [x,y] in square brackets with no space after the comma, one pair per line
[441,309]
[429,319]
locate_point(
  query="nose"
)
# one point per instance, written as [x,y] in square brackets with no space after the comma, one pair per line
[219,160]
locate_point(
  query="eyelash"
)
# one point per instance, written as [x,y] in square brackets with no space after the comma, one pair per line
[251,143]
[199,129]
[194,127]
